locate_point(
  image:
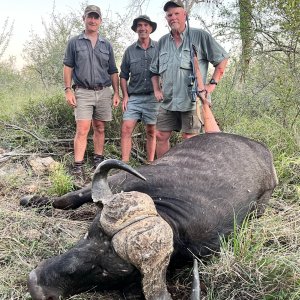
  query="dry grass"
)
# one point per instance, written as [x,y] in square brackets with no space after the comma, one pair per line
[261,261]
[29,236]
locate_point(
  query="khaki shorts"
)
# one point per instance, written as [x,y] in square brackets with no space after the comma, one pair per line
[92,104]
[186,121]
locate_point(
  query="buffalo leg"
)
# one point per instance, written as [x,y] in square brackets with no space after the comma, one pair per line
[71,200]
[148,245]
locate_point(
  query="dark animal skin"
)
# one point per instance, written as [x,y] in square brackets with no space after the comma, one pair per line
[201,187]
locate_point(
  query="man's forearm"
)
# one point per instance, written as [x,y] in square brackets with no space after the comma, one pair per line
[67,74]
[115,82]
[123,84]
[155,83]
[219,70]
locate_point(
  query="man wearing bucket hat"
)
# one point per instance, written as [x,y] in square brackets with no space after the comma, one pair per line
[173,69]
[90,64]
[139,103]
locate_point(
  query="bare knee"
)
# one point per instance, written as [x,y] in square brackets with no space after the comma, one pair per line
[163,136]
[127,128]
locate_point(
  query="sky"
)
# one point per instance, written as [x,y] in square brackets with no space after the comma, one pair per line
[29,14]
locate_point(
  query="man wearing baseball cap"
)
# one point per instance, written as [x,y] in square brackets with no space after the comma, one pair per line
[92,9]
[139,103]
[89,65]
[173,69]
[175,3]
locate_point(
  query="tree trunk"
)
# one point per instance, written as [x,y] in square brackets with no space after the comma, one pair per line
[247,34]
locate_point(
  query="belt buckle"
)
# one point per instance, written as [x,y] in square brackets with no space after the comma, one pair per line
[98,88]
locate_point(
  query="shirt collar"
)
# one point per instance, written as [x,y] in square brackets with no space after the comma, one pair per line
[182,34]
[84,36]
[137,44]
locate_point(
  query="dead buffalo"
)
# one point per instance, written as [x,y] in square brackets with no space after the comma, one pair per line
[191,196]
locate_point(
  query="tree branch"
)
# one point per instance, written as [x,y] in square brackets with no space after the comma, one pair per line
[57,141]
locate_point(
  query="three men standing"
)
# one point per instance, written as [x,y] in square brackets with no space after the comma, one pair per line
[159,90]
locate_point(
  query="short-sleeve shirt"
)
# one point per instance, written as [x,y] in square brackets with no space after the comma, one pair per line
[135,65]
[175,68]
[91,66]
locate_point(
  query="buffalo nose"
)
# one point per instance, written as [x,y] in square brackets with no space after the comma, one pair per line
[35,290]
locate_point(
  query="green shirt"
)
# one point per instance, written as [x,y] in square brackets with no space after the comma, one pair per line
[175,68]
[135,65]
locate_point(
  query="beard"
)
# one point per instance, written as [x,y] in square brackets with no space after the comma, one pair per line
[175,26]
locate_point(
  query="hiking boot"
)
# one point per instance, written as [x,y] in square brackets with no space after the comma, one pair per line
[78,173]
[98,159]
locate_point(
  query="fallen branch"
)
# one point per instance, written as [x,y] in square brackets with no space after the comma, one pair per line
[57,141]
[6,156]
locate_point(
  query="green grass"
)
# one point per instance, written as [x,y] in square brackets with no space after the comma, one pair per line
[260,260]
[61,181]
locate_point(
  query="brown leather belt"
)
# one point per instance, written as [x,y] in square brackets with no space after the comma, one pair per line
[93,88]
[137,94]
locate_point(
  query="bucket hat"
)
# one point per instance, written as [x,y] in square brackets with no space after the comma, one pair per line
[145,19]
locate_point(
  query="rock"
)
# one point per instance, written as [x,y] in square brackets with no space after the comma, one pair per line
[41,165]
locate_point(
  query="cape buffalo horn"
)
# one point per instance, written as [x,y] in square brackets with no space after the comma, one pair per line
[196,282]
[100,187]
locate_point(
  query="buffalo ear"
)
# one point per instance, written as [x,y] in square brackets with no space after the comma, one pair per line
[100,187]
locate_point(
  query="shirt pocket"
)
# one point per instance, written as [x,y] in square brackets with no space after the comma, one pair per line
[186,60]
[163,62]
[82,53]
[136,66]
[103,55]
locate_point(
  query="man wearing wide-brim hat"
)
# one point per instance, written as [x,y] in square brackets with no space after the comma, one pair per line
[139,103]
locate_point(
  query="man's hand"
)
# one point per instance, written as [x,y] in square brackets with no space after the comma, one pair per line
[116,99]
[210,88]
[70,98]
[156,87]
[124,103]
[203,97]
[159,95]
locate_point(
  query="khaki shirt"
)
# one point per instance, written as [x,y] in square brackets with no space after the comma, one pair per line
[175,68]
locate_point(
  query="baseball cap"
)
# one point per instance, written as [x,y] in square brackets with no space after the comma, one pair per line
[92,9]
[174,3]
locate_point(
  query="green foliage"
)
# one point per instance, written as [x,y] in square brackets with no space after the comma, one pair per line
[49,116]
[288,171]
[61,181]
[269,132]
[265,109]
[254,260]
[115,28]
[45,54]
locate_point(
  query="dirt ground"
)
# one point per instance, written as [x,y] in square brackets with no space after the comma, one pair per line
[27,236]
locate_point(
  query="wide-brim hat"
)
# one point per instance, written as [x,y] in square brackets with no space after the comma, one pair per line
[174,3]
[145,19]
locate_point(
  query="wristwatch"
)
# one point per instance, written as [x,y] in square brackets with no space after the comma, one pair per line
[212,81]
